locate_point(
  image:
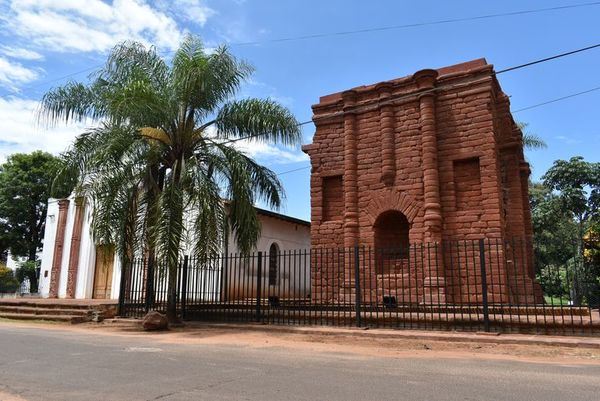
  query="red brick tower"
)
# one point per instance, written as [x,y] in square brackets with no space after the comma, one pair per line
[428,158]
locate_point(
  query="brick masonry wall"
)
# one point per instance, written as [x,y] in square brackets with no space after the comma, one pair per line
[441,148]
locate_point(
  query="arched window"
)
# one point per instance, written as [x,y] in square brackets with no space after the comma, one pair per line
[273,263]
[391,240]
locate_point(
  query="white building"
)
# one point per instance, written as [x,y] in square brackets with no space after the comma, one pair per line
[73,266]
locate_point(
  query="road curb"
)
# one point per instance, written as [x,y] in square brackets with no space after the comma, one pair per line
[490,338]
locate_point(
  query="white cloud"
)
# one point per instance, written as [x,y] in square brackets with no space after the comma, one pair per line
[568,140]
[12,74]
[271,154]
[265,153]
[20,133]
[193,11]
[21,53]
[96,26]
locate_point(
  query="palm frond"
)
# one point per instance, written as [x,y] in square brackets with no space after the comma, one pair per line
[202,81]
[71,102]
[262,120]
[532,141]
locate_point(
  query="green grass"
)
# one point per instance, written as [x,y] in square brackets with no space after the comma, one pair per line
[555,300]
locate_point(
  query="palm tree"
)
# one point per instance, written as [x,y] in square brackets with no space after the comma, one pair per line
[163,157]
[531,141]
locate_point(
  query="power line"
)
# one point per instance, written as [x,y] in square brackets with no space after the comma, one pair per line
[293,170]
[419,24]
[493,73]
[451,86]
[515,111]
[557,99]
[358,31]
[548,59]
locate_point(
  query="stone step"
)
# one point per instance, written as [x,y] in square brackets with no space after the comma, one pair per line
[28,310]
[46,304]
[53,318]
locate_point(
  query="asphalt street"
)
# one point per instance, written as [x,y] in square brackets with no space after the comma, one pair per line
[43,364]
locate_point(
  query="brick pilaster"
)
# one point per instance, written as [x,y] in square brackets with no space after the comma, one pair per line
[350,171]
[75,247]
[431,182]
[434,283]
[386,124]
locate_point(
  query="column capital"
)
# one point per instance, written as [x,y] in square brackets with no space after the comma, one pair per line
[349,100]
[425,79]
[63,204]
[384,89]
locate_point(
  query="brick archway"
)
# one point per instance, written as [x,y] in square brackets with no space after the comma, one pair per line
[387,200]
[391,241]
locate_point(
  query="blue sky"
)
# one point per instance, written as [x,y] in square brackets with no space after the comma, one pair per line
[43,40]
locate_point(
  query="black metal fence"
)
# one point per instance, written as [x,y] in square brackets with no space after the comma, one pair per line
[487,284]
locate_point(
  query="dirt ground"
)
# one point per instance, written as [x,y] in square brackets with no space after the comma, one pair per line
[331,340]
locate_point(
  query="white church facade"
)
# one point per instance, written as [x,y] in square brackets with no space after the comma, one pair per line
[74,266]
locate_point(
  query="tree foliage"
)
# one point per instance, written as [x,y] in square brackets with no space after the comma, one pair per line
[163,157]
[577,183]
[25,182]
[8,282]
[28,270]
[565,213]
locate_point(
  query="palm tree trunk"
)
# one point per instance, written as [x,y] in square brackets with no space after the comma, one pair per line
[172,293]
[176,206]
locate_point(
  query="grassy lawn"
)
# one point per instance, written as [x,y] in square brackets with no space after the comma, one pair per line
[556,300]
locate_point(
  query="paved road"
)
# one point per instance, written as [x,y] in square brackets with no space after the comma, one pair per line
[41,364]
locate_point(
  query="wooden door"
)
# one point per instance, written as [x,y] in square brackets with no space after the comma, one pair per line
[105,256]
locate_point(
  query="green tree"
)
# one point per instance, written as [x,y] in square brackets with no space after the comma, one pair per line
[28,270]
[25,182]
[576,187]
[8,282]
[165,146]
[555,233]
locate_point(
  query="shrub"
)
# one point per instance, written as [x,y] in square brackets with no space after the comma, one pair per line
[8,282]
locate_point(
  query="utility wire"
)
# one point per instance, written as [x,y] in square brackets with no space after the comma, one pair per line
[418,24]
[515,111]
[557,99]
[293,170]
[548,58]
[449,86]
[454,85]
[358,31]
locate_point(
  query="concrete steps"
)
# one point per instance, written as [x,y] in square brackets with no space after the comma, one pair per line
[57,310]
[28,310]
[48,317]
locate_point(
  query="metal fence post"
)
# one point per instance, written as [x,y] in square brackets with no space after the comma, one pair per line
[258,285]
[357,285]
[150,284]
[224,279]
[484,295]
[184,277]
